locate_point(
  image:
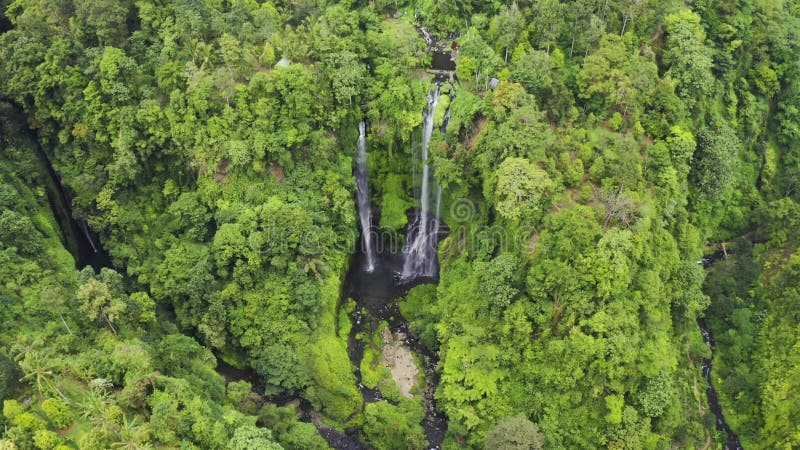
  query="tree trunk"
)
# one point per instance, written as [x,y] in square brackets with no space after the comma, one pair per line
[574,32]
[113,330]
[60,393]
[65,323]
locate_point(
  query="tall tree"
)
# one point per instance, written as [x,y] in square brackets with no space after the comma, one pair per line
[687,58]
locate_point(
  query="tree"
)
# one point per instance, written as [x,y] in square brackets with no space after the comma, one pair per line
[522,188]
[614,404]
[18,231]
[389,426]
[176,352]
[8,377]
[535,70]
[57,412]
[242,395]
[507,27]
[617,76]
[39,368]
[132,436]
[101,297]
[184,277]
[56,299]
[394,110]
[46,439]
[514,433]
[230,244]
[548,22]
[190,216]
[518,128]
[278,365]
[101,21]
[499,282]
[251,438]
[681,149]
[656,395]
[347,75]
[687,58]
[715,161]
[476,60]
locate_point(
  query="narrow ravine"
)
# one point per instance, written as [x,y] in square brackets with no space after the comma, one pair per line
[87,249]
[732,442]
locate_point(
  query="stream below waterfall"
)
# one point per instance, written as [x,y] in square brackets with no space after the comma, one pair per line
[732,442]
[376,294]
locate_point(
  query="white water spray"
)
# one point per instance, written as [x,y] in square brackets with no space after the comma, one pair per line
[420,250]
[362,196]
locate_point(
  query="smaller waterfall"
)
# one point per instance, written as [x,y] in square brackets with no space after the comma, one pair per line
[426,35]
[420,251]
[88,234]
[362,196]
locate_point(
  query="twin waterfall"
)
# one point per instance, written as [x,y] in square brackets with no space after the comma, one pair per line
[362,196]
[419,253]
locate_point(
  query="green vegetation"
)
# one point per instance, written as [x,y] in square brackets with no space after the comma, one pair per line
[595,151]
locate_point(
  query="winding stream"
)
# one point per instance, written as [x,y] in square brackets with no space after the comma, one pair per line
[732,443]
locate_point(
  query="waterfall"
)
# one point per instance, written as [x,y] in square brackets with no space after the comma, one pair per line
[88,234]
[362,195]
[420,250]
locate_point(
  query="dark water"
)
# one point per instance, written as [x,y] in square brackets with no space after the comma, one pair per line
[443,61]
[732,442]
[376,294]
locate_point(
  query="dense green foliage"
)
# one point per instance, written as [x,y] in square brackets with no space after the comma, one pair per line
[209,143]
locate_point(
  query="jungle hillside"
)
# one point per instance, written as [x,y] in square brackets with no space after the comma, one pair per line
[399,225]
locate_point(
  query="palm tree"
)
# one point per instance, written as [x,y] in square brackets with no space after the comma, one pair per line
[37,367]
[95,402]
[99,409]
[132,436]
[313,264]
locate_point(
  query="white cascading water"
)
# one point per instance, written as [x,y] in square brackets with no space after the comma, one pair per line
[362,196]
[420,252]
[85,229]
[426,35]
